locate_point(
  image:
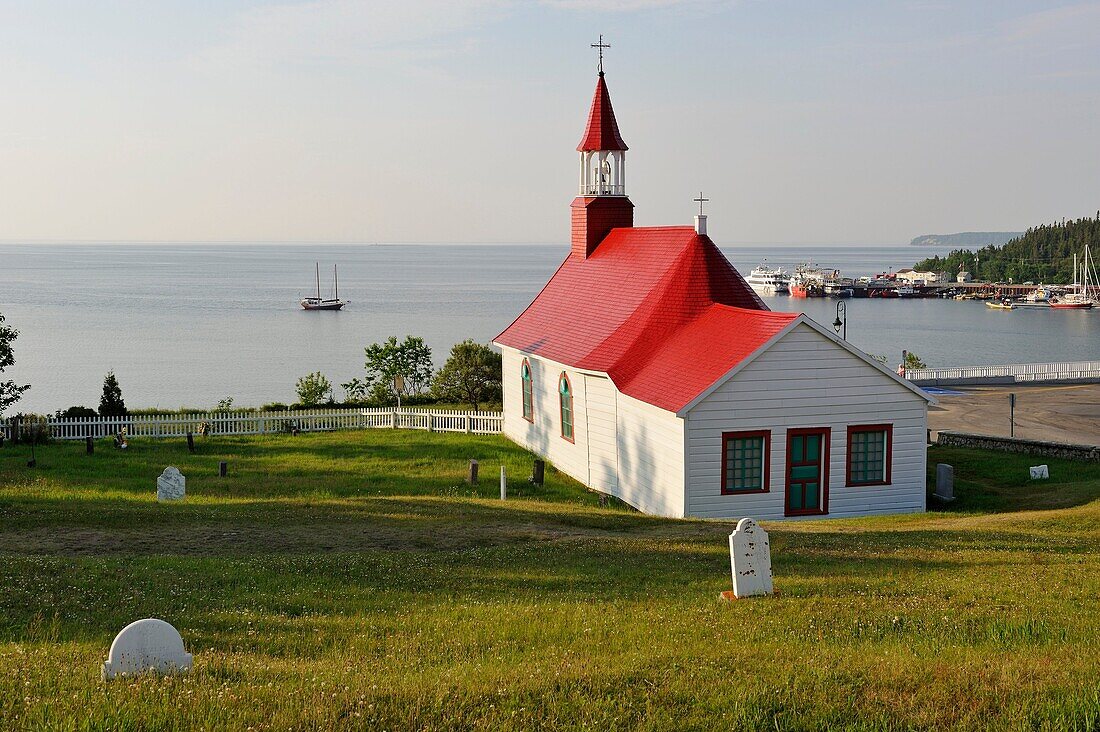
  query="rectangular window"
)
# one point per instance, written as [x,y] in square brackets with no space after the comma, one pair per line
[746,462]
[567,418]
[869,448]
[528,408]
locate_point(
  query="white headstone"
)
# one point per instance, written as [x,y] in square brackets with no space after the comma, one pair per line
[146,645]
[750,560]
[170,485]
[945,482]
[1039,472]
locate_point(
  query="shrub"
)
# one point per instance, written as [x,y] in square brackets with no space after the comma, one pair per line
[76,413]
[913,361]
[33,428]
[312,389]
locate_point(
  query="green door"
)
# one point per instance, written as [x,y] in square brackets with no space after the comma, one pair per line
[805,479]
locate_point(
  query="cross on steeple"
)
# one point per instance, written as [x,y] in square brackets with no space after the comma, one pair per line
[700,200]
[601,46]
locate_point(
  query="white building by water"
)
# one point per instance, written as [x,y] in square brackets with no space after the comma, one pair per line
[649,370]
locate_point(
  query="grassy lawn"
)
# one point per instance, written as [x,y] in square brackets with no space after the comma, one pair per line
[351,580]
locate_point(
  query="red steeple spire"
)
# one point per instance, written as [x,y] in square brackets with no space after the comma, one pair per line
[602,132]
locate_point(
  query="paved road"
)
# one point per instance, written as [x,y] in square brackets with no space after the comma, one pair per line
[1055,413]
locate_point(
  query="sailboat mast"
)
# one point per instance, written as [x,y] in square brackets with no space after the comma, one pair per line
[335,283]
[317,270]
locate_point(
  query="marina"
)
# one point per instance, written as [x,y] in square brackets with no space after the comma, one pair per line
[810,280]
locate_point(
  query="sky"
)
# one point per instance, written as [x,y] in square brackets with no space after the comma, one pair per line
[839,121]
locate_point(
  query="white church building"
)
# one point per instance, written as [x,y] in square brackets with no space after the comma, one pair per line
[649,370]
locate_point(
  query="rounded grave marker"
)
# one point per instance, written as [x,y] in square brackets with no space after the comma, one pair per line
[146,645]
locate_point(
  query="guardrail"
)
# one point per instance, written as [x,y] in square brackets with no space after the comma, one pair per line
[1080,371]
[258,423]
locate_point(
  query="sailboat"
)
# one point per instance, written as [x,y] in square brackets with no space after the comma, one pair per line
[1078,300]
[316,303]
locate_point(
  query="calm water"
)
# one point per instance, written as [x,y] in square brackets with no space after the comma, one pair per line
[185,325]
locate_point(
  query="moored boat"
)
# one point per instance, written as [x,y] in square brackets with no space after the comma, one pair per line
[1003,305]
[1079,298]
[769,281]
[317,303]
[1040,296]
[1071,301]
[801,287]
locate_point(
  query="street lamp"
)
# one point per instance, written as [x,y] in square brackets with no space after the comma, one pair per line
[840,325]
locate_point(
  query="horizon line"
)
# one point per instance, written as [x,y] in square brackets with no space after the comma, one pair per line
[314,242]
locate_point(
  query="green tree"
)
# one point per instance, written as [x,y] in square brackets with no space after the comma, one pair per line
[1042,254]
[111,403]
[913,361]
[410,359]
[472,374]
[9,390]
[354,390]
[312,389]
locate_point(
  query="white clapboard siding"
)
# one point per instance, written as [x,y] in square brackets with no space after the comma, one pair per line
[806,380]
[622,446]
[258,423]
[651,458]
[543,435]
[603,452]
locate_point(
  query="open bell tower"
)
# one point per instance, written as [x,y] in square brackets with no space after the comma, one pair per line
[601,203]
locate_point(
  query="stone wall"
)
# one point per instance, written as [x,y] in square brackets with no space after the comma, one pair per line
[1015,444]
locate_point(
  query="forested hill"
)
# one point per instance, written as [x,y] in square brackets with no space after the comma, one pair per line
[1042,254]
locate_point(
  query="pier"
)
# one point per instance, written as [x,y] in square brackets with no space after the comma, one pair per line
[980,290]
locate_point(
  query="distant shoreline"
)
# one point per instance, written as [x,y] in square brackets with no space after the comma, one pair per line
[966,239]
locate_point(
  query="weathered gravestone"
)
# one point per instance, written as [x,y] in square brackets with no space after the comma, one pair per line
[750,560]
[945,482]
[171,485]
[1040,472]
[146,645]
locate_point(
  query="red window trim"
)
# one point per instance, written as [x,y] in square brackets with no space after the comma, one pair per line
[853,429]
[767,484]
[561,411]
[523,390]
[826,432]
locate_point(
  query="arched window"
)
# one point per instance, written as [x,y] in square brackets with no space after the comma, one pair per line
[528,392]
[565,394]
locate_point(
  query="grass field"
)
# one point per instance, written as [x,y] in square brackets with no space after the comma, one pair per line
[351,580]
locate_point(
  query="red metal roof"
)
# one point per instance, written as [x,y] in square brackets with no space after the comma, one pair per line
[602,131]
[660,310]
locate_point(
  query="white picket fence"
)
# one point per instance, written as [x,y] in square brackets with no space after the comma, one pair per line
[258,423]
[1016,373]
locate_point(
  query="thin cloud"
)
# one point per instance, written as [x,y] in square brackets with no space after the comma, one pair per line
[346,31]
[625,6]
[1072,22]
